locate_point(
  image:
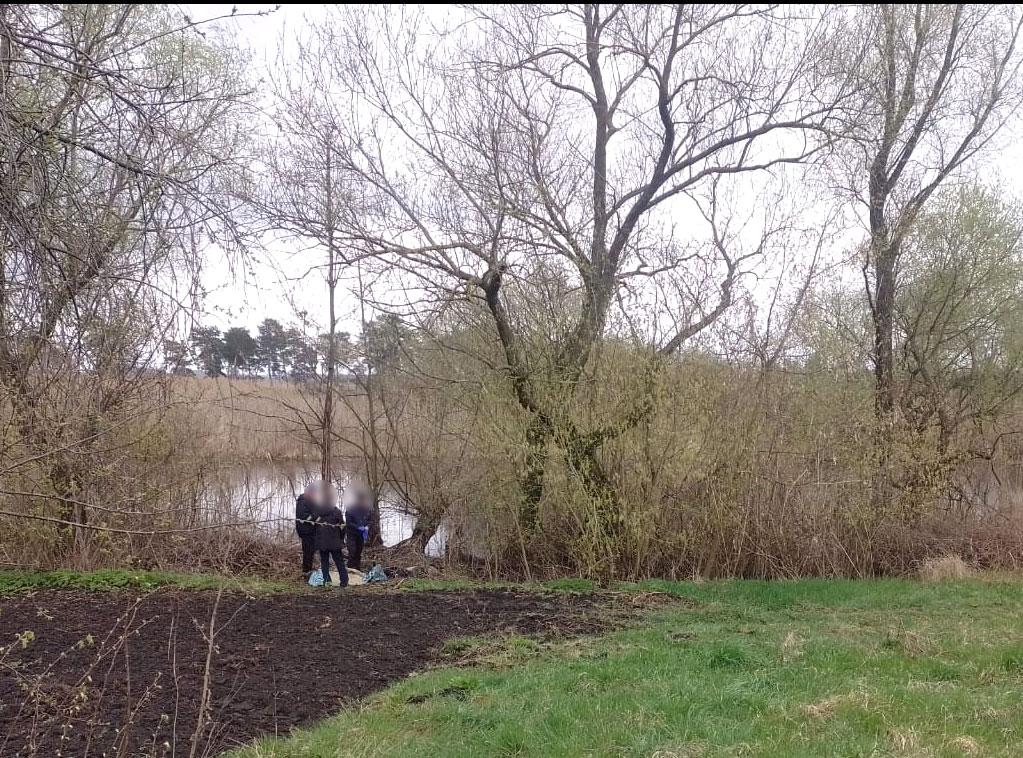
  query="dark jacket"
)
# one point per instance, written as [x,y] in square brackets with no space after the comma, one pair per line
[329,529]
[359,515]
[304,517]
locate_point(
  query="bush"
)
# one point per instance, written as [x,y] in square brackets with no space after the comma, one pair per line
[944,568]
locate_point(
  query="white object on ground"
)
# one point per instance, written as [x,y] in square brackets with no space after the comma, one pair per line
[355,577]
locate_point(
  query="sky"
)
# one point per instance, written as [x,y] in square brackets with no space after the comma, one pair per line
[279,281]
[267,284]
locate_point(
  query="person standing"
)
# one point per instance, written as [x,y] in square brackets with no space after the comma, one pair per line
[330,524]
[305,527]
[358,514]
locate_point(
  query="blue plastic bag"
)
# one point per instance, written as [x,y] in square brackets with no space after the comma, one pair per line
[316,579]
[376,574]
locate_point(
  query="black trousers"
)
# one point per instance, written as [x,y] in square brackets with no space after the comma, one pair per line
[339,561]
[354,542]
[308,551]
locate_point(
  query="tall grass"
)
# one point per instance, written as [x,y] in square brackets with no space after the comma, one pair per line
[240,419]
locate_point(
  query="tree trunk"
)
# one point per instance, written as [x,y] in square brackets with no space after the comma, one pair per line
[884,373]
[422,533]
[531,481]
[370,437]
[326,452]
[376,538]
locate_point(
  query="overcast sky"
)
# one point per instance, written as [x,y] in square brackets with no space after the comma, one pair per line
[244,295]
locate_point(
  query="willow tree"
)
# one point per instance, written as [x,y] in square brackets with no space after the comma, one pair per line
[959,315]
[589,145]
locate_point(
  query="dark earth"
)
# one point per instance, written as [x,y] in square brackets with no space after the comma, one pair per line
[122,673]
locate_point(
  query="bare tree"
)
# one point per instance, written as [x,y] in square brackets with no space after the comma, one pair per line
[307,199]
[934,85]
[117,124]
[573,140]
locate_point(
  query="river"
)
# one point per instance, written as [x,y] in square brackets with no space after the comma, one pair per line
[263,494]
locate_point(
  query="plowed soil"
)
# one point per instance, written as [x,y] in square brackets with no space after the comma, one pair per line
[129,674]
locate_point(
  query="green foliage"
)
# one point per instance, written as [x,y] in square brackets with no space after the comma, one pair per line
[208,350]
[175,355]
[756,668]
[570,585]
[462,645]
[272,348]
[239,348]
[126,579]
[383,340]
[276,351]
[1013,662]
[961,304]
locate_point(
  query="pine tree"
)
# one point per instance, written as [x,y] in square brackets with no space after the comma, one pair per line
[272,347]
[208,350]
[239,349]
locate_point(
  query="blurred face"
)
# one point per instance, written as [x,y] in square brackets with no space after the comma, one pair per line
[321,493]
[360,496]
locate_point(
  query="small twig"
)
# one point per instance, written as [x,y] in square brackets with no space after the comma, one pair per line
[204,696]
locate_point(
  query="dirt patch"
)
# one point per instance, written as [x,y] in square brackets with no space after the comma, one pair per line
[125,674]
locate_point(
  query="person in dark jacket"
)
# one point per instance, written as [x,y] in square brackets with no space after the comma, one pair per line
[358,515]
[305,527]
[330,524]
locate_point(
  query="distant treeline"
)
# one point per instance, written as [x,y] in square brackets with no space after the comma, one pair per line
[278,351]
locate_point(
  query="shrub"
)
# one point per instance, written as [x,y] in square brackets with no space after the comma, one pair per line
[944,568]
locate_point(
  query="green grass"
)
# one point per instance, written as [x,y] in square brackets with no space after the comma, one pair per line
[782,669]
[126,579]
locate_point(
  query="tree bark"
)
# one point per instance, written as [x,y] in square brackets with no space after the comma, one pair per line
[422,533]
[326,450]
[884,375]
[531,482]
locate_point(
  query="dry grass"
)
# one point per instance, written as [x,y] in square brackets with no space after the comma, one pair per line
[944,568]
[824,709]
[904,741]
[243,419]
[791,647]
[829,706]
[240,419]
[965,745]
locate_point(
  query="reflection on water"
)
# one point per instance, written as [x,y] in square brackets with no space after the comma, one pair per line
[264,495]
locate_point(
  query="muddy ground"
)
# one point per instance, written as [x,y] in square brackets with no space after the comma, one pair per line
[124,674]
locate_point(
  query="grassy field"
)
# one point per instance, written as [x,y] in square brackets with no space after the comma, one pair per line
[810,668]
